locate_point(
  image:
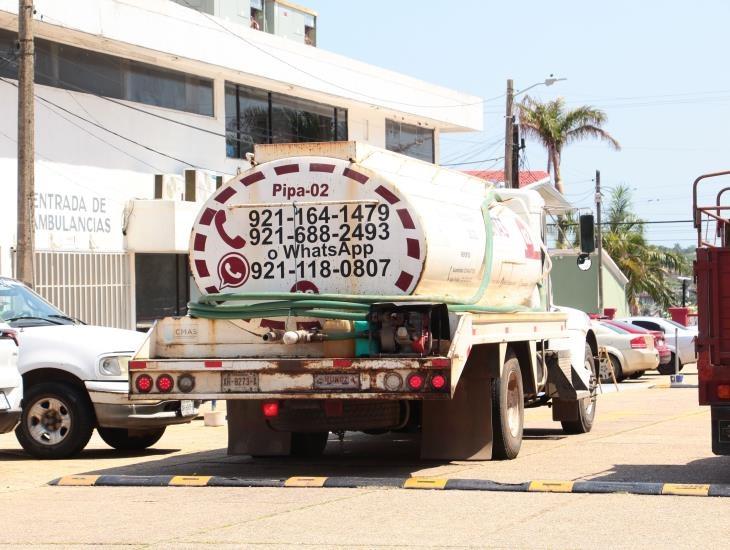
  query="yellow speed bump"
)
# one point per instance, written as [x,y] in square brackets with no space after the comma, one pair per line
[305,482]
[79,481]
[189,481]
[550,486]
[686,489]
[425,483]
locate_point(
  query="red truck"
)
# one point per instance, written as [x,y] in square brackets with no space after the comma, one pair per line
[712,276]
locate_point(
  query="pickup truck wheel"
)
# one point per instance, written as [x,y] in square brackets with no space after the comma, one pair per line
[308,445]
[57,420]
[668,368]
[508,410]
[587,406]
[130,440]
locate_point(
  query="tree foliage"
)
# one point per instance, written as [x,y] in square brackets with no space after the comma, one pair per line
[555,126]
[648,268]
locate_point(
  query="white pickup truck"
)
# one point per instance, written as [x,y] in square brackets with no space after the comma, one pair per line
[11,384]
[75,380]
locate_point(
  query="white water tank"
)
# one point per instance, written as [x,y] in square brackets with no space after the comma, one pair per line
[348,218]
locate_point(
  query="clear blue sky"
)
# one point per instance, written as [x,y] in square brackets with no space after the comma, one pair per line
[658,69]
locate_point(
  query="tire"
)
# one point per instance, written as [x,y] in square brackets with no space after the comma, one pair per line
[57,420]
[669,367]
[617,371]
[508,410]
[637,375]
[308,445]
[586,406]
[130,440]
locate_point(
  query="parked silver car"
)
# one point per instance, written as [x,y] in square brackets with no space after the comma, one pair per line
[631,354]
[685,336]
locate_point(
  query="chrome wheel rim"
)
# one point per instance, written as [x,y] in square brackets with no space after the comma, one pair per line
[49,421]
[513,404]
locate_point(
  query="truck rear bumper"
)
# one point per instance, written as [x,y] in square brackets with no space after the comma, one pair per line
[316,378]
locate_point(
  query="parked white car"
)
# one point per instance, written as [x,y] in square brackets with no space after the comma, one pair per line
[11,384]
[686,336]
[631,354]
[75,380]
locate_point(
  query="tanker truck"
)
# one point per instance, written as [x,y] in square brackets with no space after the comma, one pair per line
[349,288]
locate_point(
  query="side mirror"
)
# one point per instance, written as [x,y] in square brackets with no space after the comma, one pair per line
[587,233]
[584,262]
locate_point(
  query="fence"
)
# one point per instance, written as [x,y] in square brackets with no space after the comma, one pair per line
[95,287]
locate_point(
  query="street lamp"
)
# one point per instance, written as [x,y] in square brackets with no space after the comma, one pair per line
[509,138]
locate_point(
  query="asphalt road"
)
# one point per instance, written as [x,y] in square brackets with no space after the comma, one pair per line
[646,432]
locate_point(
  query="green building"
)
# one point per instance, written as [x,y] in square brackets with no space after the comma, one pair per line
[579,289]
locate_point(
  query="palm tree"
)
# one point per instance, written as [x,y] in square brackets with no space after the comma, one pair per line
[554,126]
[646,266]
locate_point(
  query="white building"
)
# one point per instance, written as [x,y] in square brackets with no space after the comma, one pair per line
[132,94]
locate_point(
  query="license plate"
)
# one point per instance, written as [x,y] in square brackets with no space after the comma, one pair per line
[187,407]
[239,382]
[337,381]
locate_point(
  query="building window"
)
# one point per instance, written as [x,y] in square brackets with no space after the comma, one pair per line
[408,139]
[257,116]
[96,73]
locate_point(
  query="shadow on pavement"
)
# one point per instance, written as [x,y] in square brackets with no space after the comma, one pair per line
[18,455]
[388,455]
[543,434]
[715,469]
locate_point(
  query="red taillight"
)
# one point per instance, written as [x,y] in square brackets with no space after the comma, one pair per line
[723,391]
[438,381]
[270,409]
[638,343]
[143,383]
[415,381]
[165,383]
[9,334]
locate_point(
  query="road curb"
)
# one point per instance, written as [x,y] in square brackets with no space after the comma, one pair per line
[427,483]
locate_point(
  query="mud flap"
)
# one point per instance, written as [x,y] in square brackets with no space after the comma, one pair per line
[720,430]
[460,429]
[249,434]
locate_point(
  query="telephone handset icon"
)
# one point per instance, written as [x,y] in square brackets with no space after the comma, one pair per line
[234,242]
[230,272]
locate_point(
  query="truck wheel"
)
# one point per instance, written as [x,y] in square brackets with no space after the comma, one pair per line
[56,422]
[308,445]
[587,406]
[508,410]
[130,440]
[669,367]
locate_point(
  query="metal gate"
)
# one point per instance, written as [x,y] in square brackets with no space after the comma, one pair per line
[92,286]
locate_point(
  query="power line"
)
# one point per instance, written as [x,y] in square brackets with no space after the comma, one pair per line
[117,134]
[125,105]
[472,162]
[638,222]
[328,82]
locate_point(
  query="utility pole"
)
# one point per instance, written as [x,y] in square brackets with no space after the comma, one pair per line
[26,154]
[600,241]
[515,184]
[508,136]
